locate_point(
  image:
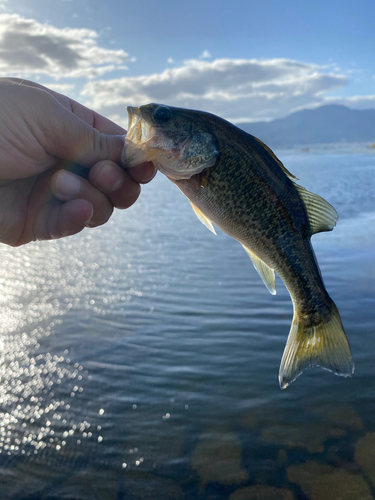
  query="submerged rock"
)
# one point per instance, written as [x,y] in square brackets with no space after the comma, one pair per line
[311,437]
[148,486]
[324,482]
[217,458]
[365,455]
[343,415]
[262,492]
[108,484]
[261,417]
[249,420]
[282,456]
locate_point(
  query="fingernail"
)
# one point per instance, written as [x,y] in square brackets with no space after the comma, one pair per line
[92,213]
[67,184]
[149,173]
[109,179]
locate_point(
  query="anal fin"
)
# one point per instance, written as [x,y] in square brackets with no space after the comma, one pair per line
[266,273]
[204,220]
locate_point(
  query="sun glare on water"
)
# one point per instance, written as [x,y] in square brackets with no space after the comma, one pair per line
[33,413]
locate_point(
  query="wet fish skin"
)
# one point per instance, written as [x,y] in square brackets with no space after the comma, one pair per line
[236,182]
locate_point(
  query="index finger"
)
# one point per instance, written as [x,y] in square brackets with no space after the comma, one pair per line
[99,122]
[91,117]
[106,126]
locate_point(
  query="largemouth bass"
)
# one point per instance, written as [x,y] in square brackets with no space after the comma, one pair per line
[236,182]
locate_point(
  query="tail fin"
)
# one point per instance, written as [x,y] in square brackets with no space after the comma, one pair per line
[314,341]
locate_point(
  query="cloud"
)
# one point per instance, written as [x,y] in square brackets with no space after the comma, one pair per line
[3,6]
[28,47]
[237,89]
[63,88]
[355,102]
[205,55]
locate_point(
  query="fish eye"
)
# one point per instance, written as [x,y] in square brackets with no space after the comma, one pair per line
[162,114]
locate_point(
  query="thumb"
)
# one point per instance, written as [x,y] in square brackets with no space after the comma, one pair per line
[70,138]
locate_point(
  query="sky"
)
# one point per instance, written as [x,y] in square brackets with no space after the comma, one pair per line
[244,60]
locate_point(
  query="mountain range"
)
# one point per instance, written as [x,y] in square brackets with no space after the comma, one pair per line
[326,124]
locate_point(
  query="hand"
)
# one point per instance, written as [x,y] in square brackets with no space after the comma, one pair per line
[46,140]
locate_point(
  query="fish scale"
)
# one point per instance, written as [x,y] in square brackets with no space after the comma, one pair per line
[236,182]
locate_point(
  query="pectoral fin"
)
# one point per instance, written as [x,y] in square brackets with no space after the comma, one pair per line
[204,220]
[266,273]
[322,216]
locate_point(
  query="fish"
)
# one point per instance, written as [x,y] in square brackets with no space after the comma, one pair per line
[235,182]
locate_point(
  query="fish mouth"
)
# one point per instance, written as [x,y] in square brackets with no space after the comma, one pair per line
[133,116]
[139,133]
[139,130]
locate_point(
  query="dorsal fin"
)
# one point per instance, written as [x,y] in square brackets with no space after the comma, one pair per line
[281,165]
[204,220]
[266,273]
[322,216]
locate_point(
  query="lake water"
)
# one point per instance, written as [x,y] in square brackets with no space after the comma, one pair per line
[139,360]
